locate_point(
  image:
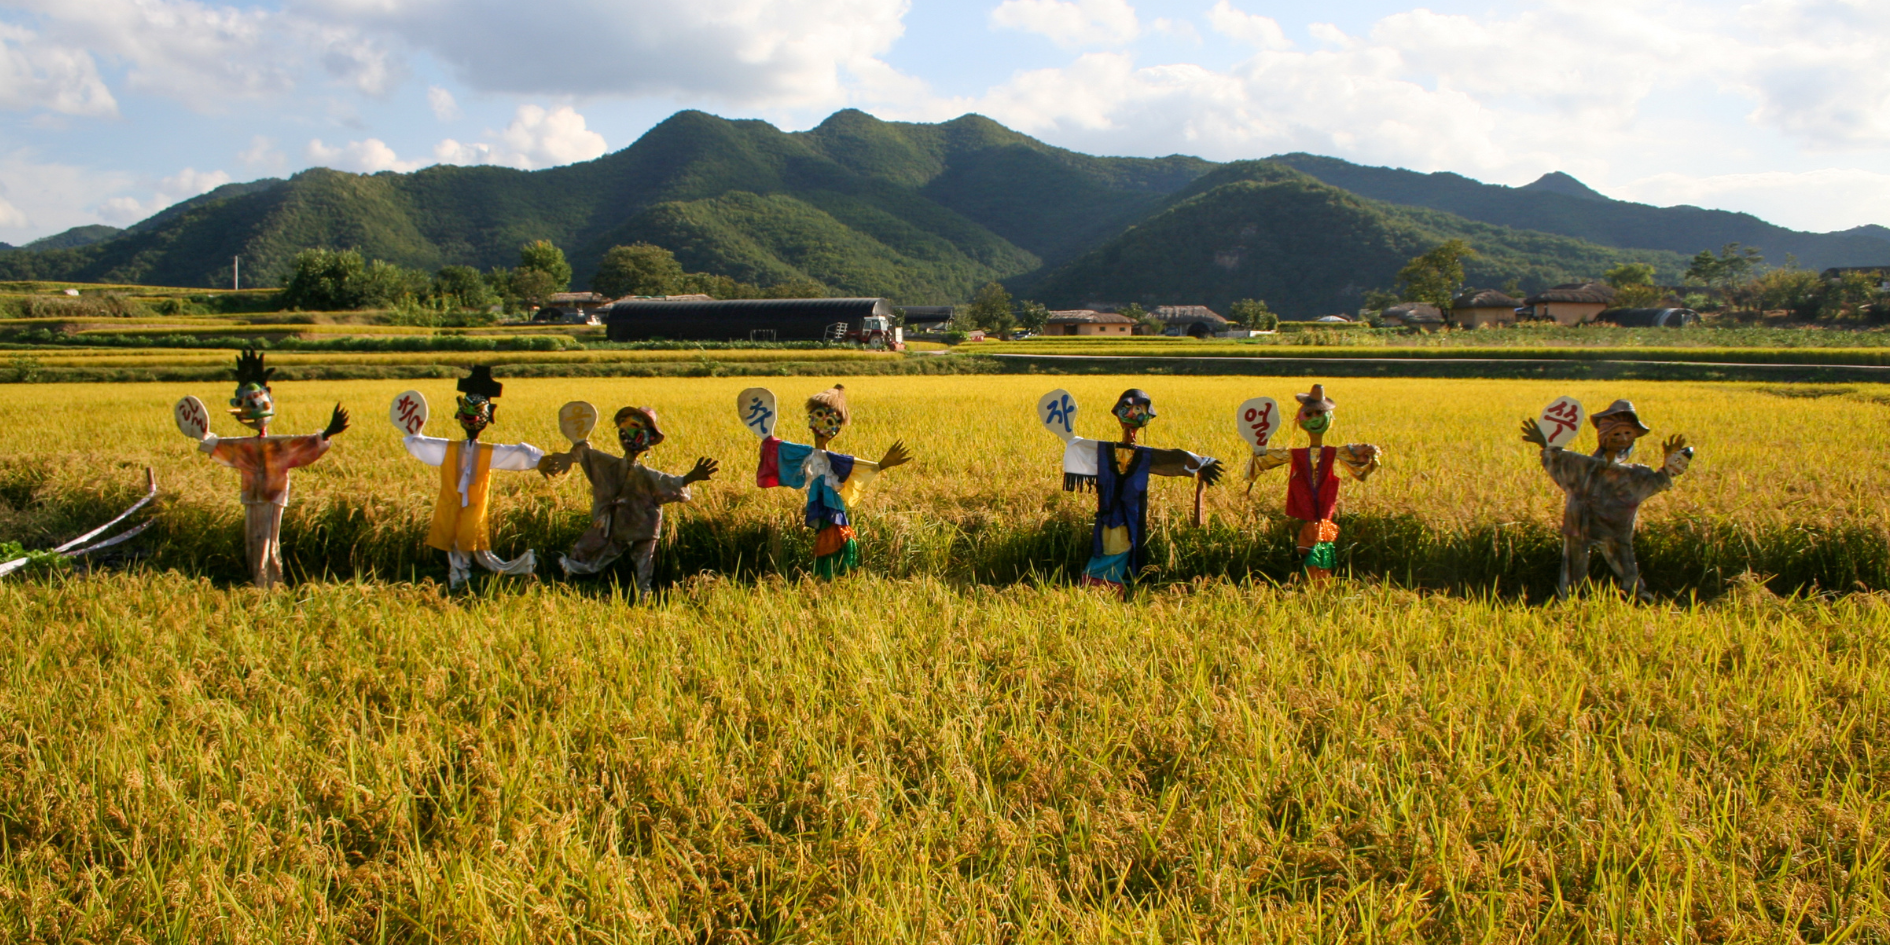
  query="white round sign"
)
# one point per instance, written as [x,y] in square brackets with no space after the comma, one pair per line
[1057,412]
[576,420]
[192,419]
[1257,419]
[1561,421]
[755,407]
[408,413]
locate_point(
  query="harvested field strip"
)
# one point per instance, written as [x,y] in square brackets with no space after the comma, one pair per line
[908,761]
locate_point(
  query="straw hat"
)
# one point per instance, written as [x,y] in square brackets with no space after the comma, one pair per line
[1621,411]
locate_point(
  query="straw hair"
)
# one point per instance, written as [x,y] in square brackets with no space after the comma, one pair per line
[834,397]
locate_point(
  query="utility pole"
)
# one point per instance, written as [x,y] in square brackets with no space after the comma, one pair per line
[236,273]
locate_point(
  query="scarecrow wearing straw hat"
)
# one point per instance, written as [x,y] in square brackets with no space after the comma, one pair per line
[627,497]
[263,460]
[1605,492]
[1118,472]
[833,480]
[1312,492]
[461,527]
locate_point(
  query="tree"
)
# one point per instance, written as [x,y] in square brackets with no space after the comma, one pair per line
[1732,267]
[1628,274]
[540,255]
[1032,316]
[533,285]
[988,307]
[463,287]
[795,289]
[324,280]
[1436,276]
[1145,324]
[1253,314]
[637,269]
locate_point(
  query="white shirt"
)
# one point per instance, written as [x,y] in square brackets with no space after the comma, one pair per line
[515,457]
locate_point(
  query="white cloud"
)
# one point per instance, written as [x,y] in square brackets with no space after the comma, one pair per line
[1262,32]
[535,138]
[187,183]
[1071,23]
[36,74]
[362,157]
[262,154]
[1798,200]
[10,215]
[441,101]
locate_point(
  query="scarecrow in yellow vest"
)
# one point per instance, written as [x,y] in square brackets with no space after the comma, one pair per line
[461,526]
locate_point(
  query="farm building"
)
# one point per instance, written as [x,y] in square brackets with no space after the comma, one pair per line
[741,319]
[1478,309]
[1575,303]
[1420,314]
[1649,317]
[1084,321]
[572,308]
[1195,321]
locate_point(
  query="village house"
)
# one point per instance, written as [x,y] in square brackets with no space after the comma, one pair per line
[572,308]
[1195,321]
[1414,314]
[1085,321]
[1480,309]
[1575,303]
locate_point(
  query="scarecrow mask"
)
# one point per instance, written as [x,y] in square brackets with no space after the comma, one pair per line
[825,421]
[637,430]
[253,406]
[1617,428]
[476,395]
[1315,410]
[1134,409]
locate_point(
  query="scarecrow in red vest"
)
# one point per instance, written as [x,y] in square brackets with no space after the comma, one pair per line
[263,460]
[461,527]
[1312,492]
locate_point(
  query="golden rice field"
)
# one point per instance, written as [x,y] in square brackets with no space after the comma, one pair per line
[957,746]
[176,357]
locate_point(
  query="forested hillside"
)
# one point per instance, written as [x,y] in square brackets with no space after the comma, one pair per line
[923,213]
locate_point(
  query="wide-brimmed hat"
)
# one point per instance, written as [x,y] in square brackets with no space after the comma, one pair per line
[1622,410]
[1315,400]
[649,421]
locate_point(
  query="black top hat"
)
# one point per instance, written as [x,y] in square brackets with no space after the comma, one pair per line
[481,383]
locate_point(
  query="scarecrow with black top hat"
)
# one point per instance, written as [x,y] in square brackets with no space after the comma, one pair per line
[263,460]
[1605,492]
[1312,491]
[627,497]
[461,526]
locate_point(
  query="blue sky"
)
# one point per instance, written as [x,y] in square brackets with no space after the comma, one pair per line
[112,109]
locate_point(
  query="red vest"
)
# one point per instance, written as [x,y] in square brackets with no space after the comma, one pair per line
[1311,495]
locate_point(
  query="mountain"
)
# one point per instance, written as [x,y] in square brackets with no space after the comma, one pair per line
[1260,229]
[925,213]
[75,237]
[921,213]
[1558,203]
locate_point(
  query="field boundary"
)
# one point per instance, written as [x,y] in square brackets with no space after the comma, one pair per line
[1439,367]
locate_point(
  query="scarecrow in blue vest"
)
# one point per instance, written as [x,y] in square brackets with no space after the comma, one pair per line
[1119,472]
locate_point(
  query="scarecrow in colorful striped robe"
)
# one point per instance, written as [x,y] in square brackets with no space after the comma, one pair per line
[1605,493]
[833,481]
[1312,492]
[264,461]
[461,526]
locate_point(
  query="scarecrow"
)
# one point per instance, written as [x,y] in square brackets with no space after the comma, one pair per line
[1605,492]
[627,497]
[461,527]
[1118,473]
[263,460]
[833,481]
[1312,491]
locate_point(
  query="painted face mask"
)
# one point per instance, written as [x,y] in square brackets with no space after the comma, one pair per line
[252,406]
[634,436]
[824,421]
[1134,415]
[474,413]
[1318,422]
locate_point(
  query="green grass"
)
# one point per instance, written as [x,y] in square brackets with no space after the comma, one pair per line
[911,761]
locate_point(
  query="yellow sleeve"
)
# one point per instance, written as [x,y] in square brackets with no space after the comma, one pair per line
[863,473]
[1360,459]
[1267,459]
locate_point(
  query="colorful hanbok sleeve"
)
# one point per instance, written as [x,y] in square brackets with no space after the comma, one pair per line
[1359,459]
